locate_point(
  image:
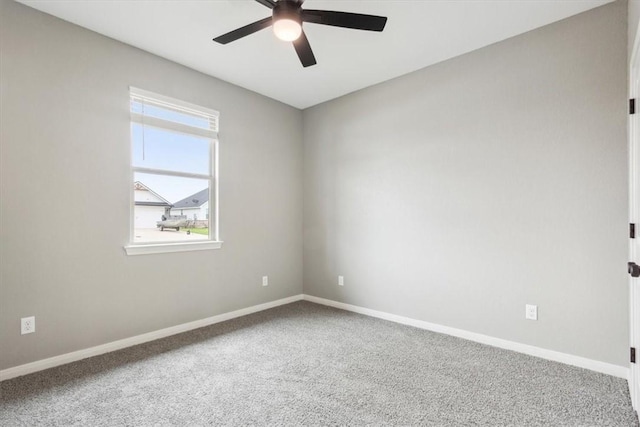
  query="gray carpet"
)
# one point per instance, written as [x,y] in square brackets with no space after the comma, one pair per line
[305,364]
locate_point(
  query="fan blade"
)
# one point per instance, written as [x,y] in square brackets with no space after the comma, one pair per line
[356,21]
[303,49]
[268,3]
[244,31]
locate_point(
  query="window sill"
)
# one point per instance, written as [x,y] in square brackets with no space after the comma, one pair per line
[161,248]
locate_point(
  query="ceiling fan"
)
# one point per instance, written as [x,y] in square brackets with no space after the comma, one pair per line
[287,19]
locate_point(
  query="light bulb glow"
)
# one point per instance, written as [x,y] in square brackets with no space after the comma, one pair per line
[287,30]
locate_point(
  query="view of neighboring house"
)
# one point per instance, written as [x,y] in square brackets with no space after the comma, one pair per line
[149,206]
[195,207]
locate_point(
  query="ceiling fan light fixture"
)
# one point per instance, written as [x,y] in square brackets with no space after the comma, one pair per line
[287,22]
[287,29]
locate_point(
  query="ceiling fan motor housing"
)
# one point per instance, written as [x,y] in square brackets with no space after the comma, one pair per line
[287,9]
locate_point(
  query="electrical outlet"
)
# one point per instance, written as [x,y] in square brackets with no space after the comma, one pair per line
[27,325]
[265,280]
[340,280]
[531,312]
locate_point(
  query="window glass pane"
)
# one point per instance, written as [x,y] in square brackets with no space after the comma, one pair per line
[170,209]
[162,149]
[170,115]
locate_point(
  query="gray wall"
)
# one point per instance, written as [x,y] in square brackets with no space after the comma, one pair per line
[65,188]
[634,19]
[461,192]
[455,194]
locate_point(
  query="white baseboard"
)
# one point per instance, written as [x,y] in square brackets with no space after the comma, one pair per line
[594,365]
[63,359]
[569,359]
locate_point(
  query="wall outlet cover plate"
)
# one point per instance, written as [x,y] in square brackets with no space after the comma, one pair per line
[27,325]
[531,312]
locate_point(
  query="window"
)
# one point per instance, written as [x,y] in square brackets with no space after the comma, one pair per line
[174,148]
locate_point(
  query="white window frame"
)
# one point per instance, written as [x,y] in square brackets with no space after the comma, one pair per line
[214,242]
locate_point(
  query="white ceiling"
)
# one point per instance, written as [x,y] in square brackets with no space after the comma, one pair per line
[418,33]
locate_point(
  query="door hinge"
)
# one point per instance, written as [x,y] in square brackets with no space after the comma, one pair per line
[632,231]
[632,106]
[633,355]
